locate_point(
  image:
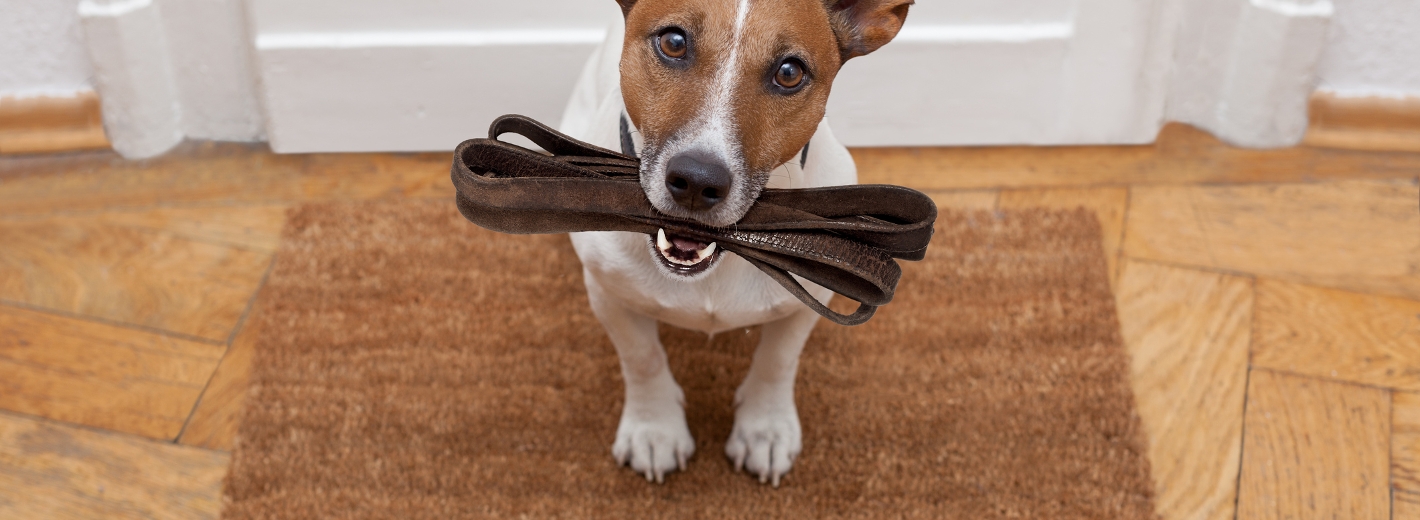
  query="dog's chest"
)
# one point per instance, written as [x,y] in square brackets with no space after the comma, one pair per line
[734,294]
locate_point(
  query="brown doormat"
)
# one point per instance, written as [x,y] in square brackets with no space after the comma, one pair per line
[415,366]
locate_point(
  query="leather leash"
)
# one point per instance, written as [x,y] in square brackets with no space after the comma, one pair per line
[845,238]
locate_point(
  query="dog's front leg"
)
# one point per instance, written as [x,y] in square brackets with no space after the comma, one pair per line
[653,436]
[766,438]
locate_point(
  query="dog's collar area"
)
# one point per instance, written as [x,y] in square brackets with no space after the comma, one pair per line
[628,145]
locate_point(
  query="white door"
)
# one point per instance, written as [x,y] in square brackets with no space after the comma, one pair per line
[421,74]
[1005,72]
[966,72]
[354,75]
[366,75]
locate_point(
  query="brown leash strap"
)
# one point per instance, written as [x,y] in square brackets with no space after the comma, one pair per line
[845,238]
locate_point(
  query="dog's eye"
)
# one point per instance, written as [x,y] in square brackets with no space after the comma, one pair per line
[672,43]
[790,74]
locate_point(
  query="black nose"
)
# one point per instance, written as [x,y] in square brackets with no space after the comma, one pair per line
[697,184]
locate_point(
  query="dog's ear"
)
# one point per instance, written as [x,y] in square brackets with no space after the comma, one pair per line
[862,26]
[626,6]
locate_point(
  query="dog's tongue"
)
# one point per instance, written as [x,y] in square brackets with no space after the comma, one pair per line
[686,244]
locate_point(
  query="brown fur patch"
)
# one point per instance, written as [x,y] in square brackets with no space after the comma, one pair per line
[863,26]
[774,127]
[659,98]
[771,126]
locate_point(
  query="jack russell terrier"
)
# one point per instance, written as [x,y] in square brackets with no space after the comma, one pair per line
[720,99]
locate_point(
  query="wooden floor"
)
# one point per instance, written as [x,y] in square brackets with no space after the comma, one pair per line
[1270,300]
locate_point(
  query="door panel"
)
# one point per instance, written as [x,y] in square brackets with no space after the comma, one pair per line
[980,72]
[425,74]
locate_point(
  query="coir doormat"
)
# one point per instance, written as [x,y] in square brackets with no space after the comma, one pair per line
[414,366]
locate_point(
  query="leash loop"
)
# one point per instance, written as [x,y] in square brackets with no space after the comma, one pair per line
[845,238]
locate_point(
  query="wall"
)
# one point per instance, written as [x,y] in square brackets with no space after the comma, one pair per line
[1373,49]
[213,64]
[41,49]
[172,69]
[1243,70]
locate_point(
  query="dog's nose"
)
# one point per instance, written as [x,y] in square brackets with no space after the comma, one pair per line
[697,184]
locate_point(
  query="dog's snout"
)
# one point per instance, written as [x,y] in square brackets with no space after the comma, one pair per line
[697,184]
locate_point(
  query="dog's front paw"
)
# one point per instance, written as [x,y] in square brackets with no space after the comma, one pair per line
[766,438]
[653,440]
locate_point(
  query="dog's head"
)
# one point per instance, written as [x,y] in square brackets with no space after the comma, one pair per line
[724,91]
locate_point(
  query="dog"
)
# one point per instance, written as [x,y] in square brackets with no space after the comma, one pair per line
[719,99]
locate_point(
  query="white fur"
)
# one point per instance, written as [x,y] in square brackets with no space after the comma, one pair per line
[629,291]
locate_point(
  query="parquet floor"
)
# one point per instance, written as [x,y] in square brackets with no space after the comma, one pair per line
[1270,300]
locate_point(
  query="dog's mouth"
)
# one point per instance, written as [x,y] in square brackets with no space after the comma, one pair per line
[685,255]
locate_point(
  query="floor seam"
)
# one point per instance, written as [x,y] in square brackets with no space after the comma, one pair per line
[112,323]
[103,431]
[231,339]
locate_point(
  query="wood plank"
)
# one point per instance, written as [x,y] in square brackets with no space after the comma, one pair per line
[1406,507]
[1363,139]
[1364,123]
[1330,333]
[964,199]
[100,375]
[54,140]
[142,277]
[1181,155]
[1355,235]
[1327,109]
[44,124]
[256,227]
[1405,446]
[213,174]
[1108,204]
[1314,449]
[57,471]
[214,422]
[1187,335]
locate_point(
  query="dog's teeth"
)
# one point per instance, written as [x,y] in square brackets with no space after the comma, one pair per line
[664,244]
[661,240]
